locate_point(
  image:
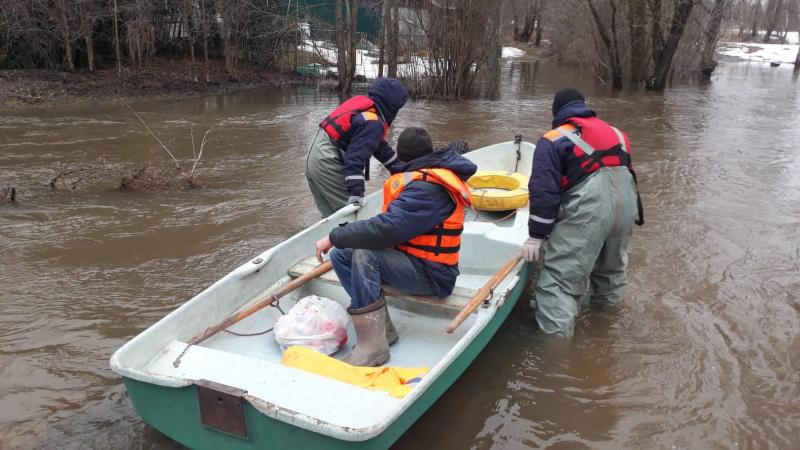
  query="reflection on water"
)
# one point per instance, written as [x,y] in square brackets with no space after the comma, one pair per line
[704,352]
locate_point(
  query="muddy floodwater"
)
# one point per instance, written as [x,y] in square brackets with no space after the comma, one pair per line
[703,353]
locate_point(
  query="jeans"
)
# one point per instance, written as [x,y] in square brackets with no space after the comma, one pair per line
[361,273]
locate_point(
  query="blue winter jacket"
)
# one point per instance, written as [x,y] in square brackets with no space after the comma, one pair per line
[548,170]
[365,137]
[419,208]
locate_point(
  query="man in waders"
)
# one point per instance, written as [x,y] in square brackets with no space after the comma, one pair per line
[339,156]
[413,245]
[583,204]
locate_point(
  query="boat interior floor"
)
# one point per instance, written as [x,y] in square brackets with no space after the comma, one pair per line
[420,322]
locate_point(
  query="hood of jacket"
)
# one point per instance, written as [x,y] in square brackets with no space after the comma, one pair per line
[572,109]
[390,95]
[447,159]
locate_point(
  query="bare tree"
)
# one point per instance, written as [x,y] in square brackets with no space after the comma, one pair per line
[610,41]
[346,43]
[393,38]
[540,6]
[755,16]
[637,22]
[710,38]
[797,58]
[62,12]
[774,10]
[232,14]
[86,12]
[189,18]
[797,61]
[205,21]
[117,51]
[495,51]
[458,46]
[664,47]
[385,14]
[527,19]
[140,33]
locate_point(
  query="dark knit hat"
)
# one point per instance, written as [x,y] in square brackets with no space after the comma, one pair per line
[565,96]
[413,143]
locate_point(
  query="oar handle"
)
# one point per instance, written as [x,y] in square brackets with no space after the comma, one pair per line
[482,293]
[258,305]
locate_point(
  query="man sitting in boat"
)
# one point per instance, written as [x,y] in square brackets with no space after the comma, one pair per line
[413,245]
[583,204]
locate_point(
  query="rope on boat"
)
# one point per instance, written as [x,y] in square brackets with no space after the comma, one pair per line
[276,305]
[482,219]
[249,334]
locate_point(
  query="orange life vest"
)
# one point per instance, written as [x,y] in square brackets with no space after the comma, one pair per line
[442,243]
[338,123]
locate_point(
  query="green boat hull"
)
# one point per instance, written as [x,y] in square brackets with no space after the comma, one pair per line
[175,411]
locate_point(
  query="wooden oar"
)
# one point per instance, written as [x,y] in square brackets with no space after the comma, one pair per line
[257,306]
[482,293]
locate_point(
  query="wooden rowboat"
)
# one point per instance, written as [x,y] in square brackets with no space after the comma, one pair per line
[232,392]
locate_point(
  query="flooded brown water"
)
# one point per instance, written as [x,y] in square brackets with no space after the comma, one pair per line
[703,353]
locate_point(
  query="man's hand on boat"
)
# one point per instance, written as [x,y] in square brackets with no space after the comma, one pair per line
[530,249]
[323,246]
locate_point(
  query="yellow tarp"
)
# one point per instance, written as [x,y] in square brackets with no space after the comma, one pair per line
[390,379]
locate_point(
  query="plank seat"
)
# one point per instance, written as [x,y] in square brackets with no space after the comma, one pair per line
[466,286]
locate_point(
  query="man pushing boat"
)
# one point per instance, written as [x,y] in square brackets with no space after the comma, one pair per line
[583,204]
[348,137]
[413,245]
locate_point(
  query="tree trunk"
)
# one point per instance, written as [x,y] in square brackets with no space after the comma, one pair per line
[117,51]
[638,45]
[204,20]
[710,38]
[528,22]
[353,36]
[756,14]
[192,60]
[797,58]
[385,13]
[87,27]
[797,61]
[773,13]
[393,38]
[610,42]
[346,43]
[191,26]
[539,23]
[742,11]
[63,19]
[495,53]
[785,26]
[664,50]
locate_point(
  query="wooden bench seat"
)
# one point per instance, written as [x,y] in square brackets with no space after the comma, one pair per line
[466,286]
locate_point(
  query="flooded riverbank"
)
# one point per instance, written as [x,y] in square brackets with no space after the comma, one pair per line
[704,352]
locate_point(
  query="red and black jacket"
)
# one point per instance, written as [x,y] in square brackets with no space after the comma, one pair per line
[560,163]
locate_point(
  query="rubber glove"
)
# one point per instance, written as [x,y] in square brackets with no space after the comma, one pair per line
[530,249]
[354,199]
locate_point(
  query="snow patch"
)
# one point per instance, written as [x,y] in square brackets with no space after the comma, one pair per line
[366,61]
[513,52]
[765,53]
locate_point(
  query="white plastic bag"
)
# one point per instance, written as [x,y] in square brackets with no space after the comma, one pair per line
[318,323]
